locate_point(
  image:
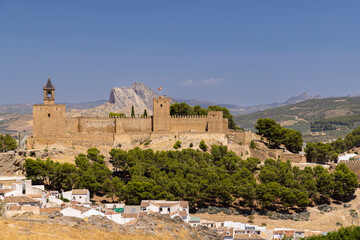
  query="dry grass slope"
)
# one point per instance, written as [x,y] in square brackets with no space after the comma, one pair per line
[21,230]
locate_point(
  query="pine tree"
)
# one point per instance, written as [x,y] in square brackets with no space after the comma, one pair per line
[145,113]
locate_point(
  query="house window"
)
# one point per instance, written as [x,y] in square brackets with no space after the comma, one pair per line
[160,105]
[168,209]
[49,115]
[80,197]
[73,197]
[161,209]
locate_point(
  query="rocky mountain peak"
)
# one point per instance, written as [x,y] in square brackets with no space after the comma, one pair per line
[302,97]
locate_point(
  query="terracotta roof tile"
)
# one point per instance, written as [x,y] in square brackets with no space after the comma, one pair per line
[130,215]
[183,214]
[142,214]
[247,236]
[80,191]
[20,199]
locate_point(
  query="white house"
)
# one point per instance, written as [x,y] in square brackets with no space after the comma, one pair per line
[78,195]
[194,221]
[92,212]
[21,187]
[244,227]
[173,208]
[71,212]
[345,157]
[280,233]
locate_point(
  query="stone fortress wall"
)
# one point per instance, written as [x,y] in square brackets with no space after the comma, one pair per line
[52,127]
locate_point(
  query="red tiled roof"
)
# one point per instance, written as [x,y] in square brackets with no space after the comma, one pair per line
[142,214]
[183,214]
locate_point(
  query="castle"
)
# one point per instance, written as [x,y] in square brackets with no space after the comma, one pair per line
[52,128]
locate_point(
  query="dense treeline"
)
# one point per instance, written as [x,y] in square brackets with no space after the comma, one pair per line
[347,233]
[7,143]
[184,109]
[277,135]
[332,123]
[113,114]
[216,178]
[326,152]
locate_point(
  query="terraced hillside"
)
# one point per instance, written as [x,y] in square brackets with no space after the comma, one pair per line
[301,116]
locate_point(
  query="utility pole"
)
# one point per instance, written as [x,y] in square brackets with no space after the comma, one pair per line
[19,142]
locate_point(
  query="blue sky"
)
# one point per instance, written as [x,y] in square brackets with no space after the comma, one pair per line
[240,52]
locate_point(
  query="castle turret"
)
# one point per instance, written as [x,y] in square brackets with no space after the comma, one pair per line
[49,93]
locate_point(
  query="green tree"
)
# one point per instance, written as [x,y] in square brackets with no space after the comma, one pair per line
[348,233]
[145,113]
[132,111]
[293,140]
[271,130]
[7,143]
[320,152]
[114,188]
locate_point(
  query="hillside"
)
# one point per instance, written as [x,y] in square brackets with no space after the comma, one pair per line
[300,115]
[55,226]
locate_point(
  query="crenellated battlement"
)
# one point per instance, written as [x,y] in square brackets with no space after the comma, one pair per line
[50,122]
[189,116]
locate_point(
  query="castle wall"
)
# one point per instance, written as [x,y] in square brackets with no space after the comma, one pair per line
[95,125]
[72,125]
[188,123]
[241,137]
[129,125]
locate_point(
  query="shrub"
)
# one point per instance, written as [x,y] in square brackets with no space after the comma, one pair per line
[177,145]
[203,146]
[191,145]
[253,145]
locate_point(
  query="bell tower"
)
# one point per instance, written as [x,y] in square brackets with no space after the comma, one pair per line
[49,93]
[49,118]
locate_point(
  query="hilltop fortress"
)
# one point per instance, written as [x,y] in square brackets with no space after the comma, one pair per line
[52,128]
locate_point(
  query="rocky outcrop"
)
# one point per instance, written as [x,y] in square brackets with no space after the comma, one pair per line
[11,164]
[138,95]
[122,99]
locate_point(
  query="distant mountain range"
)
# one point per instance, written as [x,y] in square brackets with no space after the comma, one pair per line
[239,110]
[122,98]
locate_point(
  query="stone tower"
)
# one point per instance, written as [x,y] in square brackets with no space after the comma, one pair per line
[161,111]
[49,93]
[216,122]
[49,118]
